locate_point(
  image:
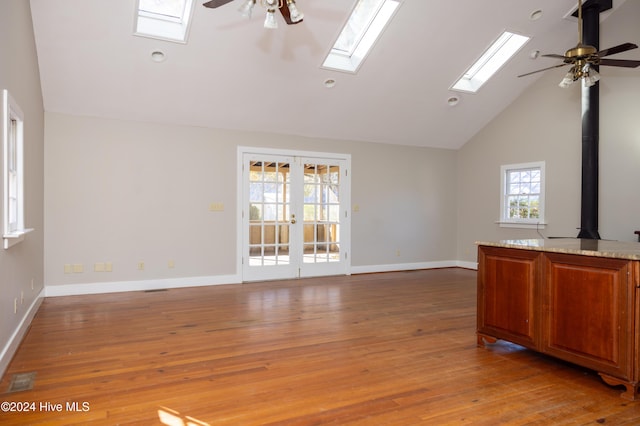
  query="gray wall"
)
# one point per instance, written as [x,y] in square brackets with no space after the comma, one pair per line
[123,192]
[22,264]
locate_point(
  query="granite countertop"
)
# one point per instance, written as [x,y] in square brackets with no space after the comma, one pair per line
[596,248]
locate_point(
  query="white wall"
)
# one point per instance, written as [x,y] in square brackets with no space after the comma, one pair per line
[22,263]
[125,192]
[545,124]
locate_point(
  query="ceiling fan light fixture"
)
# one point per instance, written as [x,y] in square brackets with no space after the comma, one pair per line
[590,75]
[246,8]
[270,21]
[568,79]
[295,14]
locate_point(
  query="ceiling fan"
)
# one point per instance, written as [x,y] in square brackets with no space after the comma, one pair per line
[584,58]
[288,8]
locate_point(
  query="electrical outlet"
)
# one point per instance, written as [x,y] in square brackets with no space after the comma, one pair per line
[398,252]
[171,264]
[108,267]
[140,266]
[216,207]
[68,269]
[98,267]
[78,268]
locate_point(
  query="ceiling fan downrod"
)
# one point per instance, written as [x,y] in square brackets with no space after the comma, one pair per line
[581,50]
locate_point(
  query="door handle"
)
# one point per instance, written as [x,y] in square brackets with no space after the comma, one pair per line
[293,219]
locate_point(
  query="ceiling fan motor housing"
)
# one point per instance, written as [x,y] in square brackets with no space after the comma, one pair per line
[581,51]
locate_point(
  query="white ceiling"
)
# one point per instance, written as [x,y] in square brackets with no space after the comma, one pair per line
[234,74]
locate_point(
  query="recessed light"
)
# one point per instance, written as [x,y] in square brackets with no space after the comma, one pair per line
[158,56]
[329,83]
[535,15]
[453,101]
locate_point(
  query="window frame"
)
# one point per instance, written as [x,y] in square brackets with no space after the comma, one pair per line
[161,26]
[13,229]
[492,60]
[505,220]
[350,60]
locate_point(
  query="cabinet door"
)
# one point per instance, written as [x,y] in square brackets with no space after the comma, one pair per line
[590,312]
[507,294]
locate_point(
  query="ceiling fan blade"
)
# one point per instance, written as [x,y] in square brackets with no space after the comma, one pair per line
[617,49]
[216,3]
[619,63]
[286,14]
[553,55]
[543,69]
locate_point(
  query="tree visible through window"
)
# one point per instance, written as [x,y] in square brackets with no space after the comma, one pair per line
[523,193]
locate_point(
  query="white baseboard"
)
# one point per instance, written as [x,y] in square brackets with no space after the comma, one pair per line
[368,269]
[162,284]
[467,265]
[121,286]
[14,341]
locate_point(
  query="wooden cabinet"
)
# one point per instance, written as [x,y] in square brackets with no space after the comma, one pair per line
[508,297]
[582,309]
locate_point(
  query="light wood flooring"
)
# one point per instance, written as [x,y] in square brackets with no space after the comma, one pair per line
[376,349]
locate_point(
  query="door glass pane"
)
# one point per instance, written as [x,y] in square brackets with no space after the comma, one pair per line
[321,213]
[269,212]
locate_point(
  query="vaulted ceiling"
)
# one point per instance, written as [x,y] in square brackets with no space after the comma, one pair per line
[234,74]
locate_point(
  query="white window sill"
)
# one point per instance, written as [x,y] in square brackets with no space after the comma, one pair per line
[522,225]
[14,238]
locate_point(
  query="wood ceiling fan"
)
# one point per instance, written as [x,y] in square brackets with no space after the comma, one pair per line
[288,8]
[583,57]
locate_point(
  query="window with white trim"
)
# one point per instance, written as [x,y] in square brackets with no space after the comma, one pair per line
[522,195]
[13,229]
[363,28]
[498,54]
[164,19]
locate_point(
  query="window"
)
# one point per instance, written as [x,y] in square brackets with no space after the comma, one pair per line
[522,196]
[164,19]
[13,230]
[368,19]
[490,62]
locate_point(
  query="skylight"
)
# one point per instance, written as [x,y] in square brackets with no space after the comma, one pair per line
[164,19]
[490,62]
[367,21]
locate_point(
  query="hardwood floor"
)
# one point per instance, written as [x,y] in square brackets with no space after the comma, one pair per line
[380,349]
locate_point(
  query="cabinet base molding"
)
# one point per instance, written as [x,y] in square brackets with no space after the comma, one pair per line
[483,339]
[631,392]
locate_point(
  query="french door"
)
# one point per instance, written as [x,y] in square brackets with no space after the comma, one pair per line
[295,216]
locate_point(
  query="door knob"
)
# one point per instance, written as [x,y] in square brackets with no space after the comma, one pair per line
[293,218]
